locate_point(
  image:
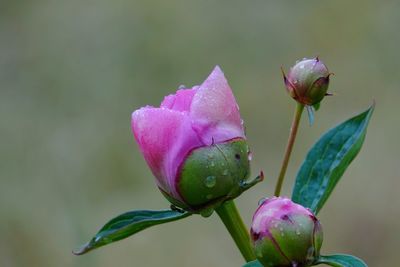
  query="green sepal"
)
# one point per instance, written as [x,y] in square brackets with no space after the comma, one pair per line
[318,90]
[267,252]
[212,172]
[296,238]
[255,263]
[130,223]
[327,160]
[317,106]
[341,260]
[207,209]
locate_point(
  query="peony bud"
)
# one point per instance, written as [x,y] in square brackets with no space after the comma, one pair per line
[285,234]
[195,145]
[307,81]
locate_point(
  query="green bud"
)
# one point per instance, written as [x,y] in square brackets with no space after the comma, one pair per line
[285,234]
[307,81]
[214,173]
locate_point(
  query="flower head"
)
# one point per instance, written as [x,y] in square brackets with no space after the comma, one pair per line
[285,234]
[307,81]
[191,140]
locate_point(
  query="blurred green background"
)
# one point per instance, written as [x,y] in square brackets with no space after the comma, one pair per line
[71,73]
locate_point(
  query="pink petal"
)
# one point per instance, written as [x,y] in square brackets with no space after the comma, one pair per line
[165,137]
[272,210]
[214,110]
[180,101]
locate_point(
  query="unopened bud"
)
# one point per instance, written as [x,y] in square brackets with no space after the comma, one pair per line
[307,81]
[285,234]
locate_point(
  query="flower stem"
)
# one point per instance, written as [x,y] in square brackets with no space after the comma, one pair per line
[233,222]
[289,147]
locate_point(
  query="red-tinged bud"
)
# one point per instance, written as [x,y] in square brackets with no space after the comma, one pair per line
[285,234]
[307,81]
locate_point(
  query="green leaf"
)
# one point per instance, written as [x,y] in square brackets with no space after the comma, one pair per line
[255,263]
[317,106]
[128,224]
[328,159]
[341,260]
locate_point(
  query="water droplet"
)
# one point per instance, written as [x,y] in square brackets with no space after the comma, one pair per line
[302,66]
[249,156]
[212,164]
[295,81]
[281,229]
[297,232]
[206,212]
[182,86]
[97,239]
[225,172]
[294,264]
[210,181]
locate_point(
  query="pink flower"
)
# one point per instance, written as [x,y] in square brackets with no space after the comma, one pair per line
[192,118]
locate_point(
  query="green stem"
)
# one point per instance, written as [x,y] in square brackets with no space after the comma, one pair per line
[289,147]
[233,222]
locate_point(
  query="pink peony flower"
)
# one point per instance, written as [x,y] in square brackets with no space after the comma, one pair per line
[185,121]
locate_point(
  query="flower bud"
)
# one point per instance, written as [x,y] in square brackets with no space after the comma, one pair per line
[285,234]
[195,145]
[307,81]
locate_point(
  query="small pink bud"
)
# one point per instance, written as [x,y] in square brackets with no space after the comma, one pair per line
[285,234]
[307,81]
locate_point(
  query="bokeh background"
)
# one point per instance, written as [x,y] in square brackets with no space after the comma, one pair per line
[71,73]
